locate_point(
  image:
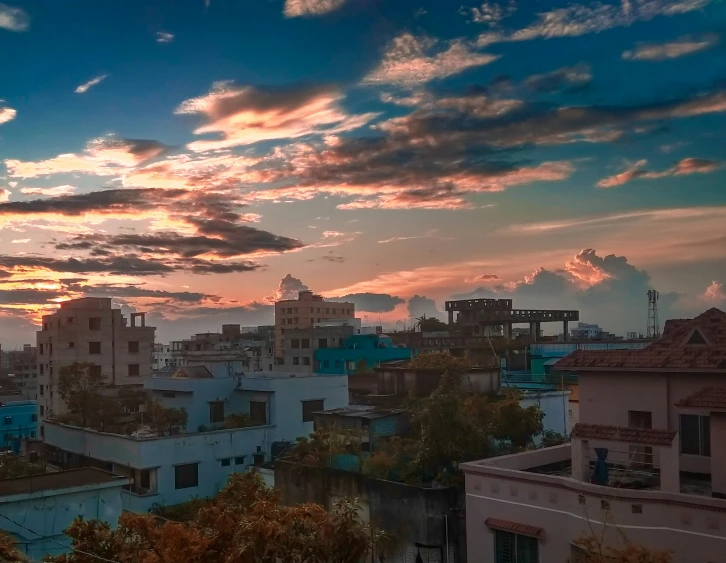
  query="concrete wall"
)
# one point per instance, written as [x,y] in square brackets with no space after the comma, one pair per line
[18,419]
[410,514]
[693,527]
[555,406]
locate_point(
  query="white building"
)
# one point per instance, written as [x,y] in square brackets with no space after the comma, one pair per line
[162,357]
[585,331]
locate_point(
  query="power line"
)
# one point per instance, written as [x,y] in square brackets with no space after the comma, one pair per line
[40,536]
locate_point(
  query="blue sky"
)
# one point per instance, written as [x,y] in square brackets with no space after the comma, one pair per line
[184,157]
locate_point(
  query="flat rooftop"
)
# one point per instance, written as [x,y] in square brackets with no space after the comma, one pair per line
[58,480]
[361,411]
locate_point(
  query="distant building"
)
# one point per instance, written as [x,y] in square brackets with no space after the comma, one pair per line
[303,313]
[18,420]
[646,460]
[358,350]
[585,331]
[22,371]
[372,423]
[169,470]
[90,330]
[36,510]
[162,356]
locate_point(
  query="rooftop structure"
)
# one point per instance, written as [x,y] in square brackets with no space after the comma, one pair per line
[480,316]
[646,456]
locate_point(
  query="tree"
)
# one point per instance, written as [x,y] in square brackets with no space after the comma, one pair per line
[594,550]
[8,551]
[432,324]
[165,420]
[80,385]
[12,466]
[515,424]
[245,522]
[440,361]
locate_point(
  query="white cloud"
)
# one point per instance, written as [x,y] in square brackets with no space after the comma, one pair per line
[714,293]
[86,86]
[56,191]
[13,19]
[297,8]
[164,37]
[6,113]
[4,195]
[20,241]
[673,49]
[491,13]
[412,61]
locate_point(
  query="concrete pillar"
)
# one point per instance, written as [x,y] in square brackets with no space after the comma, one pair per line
[718,454]
[508,331]
[533,330]
[451,319]
[566,329]
[670,478]
[580,463]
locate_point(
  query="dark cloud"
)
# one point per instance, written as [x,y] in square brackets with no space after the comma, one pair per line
[486,277]
[132,291]
[372,302]
[28,296]
[419,305]
[567,79]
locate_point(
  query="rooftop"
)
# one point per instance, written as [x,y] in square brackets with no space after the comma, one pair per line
[709,398]
[697,344]
[361,411]
[607,433]
[59,480]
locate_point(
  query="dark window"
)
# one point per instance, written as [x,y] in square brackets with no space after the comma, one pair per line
[296,361]
[32,433]
[133,347]
[295,343]
[94,347]
[305,342]
[70,320]
[95,370]
[42,431]
[322,342]
[71,344]
[309,407]
[42,410]
[34,418]
[8,420]
[695,435]
[226,462]
[258,458]
[338,363]
[42,391]
[239,460]
[40,349]
[306,360]
[640,419]
[696,338]
[326,363]
[41,369]
[94,323]
[186,476]
[258,412]
[133,370]
[216,411]
[515,548]
[50,348]
[145,479]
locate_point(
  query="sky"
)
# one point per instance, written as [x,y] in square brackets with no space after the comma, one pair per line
[199,159]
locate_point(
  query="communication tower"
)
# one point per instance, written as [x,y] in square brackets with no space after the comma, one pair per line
[653,324]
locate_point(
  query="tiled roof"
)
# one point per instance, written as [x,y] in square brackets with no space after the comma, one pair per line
[507,526]
[605,433]
[709,398]
[192,372]
[670,352]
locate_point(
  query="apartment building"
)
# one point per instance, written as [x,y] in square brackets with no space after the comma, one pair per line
[646,461]
[90,330]
[304,312]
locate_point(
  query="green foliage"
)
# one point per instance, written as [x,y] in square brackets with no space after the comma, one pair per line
[237,421]
[13,466]
[81,386]
[165,420]
[431,324]
[440,361]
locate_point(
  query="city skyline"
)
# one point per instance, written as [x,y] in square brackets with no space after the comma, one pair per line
[185,158]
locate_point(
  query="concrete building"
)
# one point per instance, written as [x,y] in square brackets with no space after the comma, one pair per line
[585,331]
[18,420]
[305,311]
[369,350]
[36,510]
[483,316]
[162,357]
[90,330]
[646,460]
[169,470]
[22,370]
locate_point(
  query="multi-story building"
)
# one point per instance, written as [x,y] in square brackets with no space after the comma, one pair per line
[173,469]
[162,357]
[22,370]
[646,463]
[305,311]
[90,330]
[18,420]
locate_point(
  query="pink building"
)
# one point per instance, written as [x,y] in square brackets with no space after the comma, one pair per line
[657,418]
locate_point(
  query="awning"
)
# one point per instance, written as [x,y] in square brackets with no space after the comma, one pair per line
[515,527]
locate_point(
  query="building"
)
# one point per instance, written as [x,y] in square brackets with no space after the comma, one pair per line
[169,470]
[585,331]
[19,419]
[359,351]
[36,510]
[22,370]
[305,311]
[162,357]
[483,317]
[646,459]
[371,423]
[90,330]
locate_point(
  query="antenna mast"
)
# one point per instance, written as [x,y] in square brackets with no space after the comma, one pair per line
[653,324]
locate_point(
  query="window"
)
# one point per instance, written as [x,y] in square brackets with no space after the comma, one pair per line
[145,479]
[42,391]
[42,432]
[50,348]
[515,548]
[34,418]
[296,361]
[71,344]
[258,412]
[94,347]
[640,419]
[226,462]
[40,349]
[8,420]
[41,369]
[258,458]
[216,411]
[168,395]
[94,323]
[134,370]
[322,342]
[305,342]
[695,435]
[309,407]
[239,460]
[32,433]
[70,320]
[327,311]
[295,343]
[95,370]
[133,347]
[186,476]
[306,360]
[42,410]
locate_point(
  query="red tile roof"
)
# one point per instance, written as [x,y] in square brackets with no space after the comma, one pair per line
[669,353]
[605,433]
[709,398]
[507,526]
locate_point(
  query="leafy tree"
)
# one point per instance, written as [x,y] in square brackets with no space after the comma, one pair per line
[165,420]
[12,466]
[8,551]
[594,550]
[81,386]
[432,324]
[515,424]
[245,522]
[240,420]
[440,361]
[132,399]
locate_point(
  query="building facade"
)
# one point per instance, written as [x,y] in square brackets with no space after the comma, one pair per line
[359,351]
[645,463]
[169,470]
[90,330]
[22,369]
[304,312]
[18,420]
